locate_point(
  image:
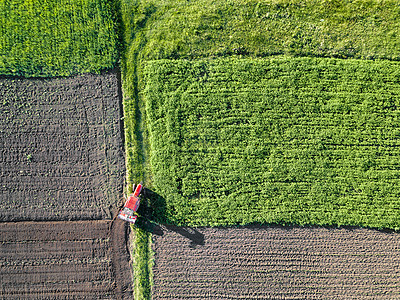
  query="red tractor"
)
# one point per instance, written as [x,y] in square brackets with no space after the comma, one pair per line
[128,213]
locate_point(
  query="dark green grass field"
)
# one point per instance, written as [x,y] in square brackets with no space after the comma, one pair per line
[58,38]
[180,29]
[278,140]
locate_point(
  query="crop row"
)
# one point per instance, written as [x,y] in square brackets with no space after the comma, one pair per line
[306,141]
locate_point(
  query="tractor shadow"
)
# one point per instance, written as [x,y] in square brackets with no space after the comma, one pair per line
[194,237]
[153,219]
[153,207]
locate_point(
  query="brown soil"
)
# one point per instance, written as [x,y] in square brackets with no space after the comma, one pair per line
[61,148]
[62,158]
[275,263]
[64,260]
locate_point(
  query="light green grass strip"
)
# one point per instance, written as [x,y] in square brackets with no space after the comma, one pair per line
[129,70]
[57,37]
[134,142]
[142,263]
[283,140]
[367,29]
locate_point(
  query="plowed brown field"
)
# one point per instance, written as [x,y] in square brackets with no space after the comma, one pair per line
[61,148]
[64,260]
[275,263]
[62,158]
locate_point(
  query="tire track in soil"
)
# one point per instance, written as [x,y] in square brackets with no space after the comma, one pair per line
[121,260]
[65,260]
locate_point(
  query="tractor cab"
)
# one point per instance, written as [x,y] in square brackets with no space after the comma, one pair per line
[128,212]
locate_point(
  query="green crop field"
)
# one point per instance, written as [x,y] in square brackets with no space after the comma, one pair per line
[58,38]
[180,29]
[176,29]
[278,140]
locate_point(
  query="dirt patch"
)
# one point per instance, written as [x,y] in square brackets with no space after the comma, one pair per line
[61,148]
[275,263]
[64,260]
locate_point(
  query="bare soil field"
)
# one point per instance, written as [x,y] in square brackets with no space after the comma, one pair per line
[64,260]
[275,263]
[61,148]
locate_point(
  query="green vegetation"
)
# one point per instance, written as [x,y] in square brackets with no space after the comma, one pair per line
[166,29]
[280,140]
[142,263]
[129,70]
[58,38]
[180,29]
[331,28]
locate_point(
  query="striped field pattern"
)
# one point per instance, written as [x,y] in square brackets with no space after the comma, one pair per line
[260,262]
[279,140]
